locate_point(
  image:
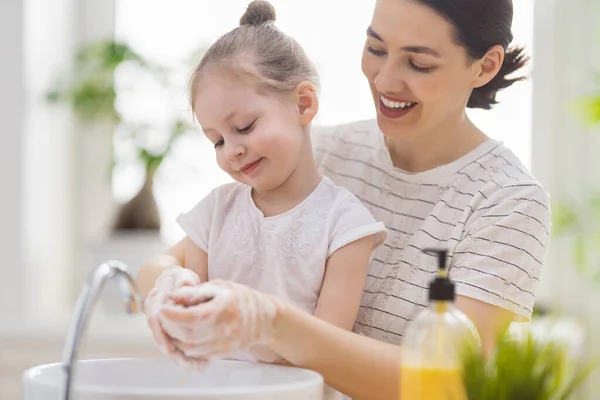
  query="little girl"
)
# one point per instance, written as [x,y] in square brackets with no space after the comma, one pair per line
[281,228]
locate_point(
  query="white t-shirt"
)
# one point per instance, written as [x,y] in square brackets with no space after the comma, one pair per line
[485,208]
[283,255]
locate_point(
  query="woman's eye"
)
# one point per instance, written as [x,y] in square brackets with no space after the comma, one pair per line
[377,53]
[419,69]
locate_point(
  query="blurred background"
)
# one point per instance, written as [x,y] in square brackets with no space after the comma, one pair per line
[99,152]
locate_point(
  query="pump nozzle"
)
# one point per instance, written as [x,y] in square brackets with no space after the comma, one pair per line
[441,288]
[442,255]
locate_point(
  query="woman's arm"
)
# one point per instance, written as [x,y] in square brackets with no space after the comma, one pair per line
[491,321]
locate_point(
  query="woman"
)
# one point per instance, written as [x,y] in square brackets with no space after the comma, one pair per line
[434,179]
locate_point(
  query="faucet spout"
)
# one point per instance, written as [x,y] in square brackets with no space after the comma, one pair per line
[85,304]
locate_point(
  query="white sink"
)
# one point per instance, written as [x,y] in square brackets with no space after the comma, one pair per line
[161,379]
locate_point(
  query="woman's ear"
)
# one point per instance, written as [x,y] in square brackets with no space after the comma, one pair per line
[307,102]
[489,66]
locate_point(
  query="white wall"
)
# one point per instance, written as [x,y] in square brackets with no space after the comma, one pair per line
[564,152]
[12,100]
[67,180]
[565,155]
[47,139]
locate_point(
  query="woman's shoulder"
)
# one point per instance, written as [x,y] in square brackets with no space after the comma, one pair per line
[362,127]
[506,183]
[505,169]
[337,134]
[358,138]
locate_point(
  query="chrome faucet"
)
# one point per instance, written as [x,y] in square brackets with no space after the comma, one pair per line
[83,309]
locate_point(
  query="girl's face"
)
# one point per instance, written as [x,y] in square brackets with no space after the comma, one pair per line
[258,136]
[420,79]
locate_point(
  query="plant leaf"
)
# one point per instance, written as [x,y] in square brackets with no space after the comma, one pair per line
[578,379]
[523,368]
[564,218]
[588,110]
[579,253]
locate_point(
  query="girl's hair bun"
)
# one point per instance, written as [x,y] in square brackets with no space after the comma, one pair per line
[259,12]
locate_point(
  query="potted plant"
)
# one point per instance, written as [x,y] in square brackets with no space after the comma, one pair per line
[524,368]
[89,91]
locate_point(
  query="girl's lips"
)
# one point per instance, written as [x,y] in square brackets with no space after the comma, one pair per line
[246,169]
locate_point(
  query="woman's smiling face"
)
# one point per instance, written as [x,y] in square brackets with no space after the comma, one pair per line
[419,77]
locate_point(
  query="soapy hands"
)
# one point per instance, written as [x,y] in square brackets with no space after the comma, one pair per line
[217,318]
[167,283]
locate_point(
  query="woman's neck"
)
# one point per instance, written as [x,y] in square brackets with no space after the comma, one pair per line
[296,188]
[441,146]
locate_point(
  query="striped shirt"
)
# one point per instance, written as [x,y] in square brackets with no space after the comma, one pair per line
[485,208]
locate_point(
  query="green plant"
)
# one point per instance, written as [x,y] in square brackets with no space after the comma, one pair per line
[581,223]
[89,90]
[523,368]
[589,107]
[89,87]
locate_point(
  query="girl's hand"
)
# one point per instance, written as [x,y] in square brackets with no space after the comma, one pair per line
[167,283]
[218,318]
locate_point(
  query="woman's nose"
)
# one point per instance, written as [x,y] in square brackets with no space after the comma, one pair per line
[390,79]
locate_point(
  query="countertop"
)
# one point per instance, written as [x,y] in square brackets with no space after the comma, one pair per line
[100,327]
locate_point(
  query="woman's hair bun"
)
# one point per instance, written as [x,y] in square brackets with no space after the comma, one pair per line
[259,12]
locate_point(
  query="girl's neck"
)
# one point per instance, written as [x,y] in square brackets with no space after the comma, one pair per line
[449,142]
[296,188]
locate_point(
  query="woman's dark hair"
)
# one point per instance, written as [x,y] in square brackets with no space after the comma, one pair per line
[479,25]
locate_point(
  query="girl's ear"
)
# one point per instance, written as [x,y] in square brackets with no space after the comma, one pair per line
[307,102]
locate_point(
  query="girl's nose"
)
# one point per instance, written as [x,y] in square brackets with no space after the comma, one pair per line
[235,151]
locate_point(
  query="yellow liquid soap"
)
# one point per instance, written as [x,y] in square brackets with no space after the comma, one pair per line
[430,367]
[418,383]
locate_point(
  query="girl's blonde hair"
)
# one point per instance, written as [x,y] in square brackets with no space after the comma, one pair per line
[258,51]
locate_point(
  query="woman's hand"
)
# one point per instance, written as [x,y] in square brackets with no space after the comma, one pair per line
[218,318]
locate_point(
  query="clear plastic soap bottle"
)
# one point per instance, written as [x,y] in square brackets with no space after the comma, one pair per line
[434,340]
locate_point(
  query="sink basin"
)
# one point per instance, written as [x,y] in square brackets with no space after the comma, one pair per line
[161,379]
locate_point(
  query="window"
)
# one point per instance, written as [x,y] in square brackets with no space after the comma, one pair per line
[332,34]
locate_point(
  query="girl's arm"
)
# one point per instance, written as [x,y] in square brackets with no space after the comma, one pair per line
[341,292]
[344,282]
[360,367]
[183,254]
[357,366]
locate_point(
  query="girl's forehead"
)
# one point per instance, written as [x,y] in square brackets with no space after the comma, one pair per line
[228,78]
[218,87]
[221,97]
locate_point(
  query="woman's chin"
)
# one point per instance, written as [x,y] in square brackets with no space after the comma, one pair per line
[393,129]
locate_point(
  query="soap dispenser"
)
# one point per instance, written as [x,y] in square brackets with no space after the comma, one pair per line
[431,350]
